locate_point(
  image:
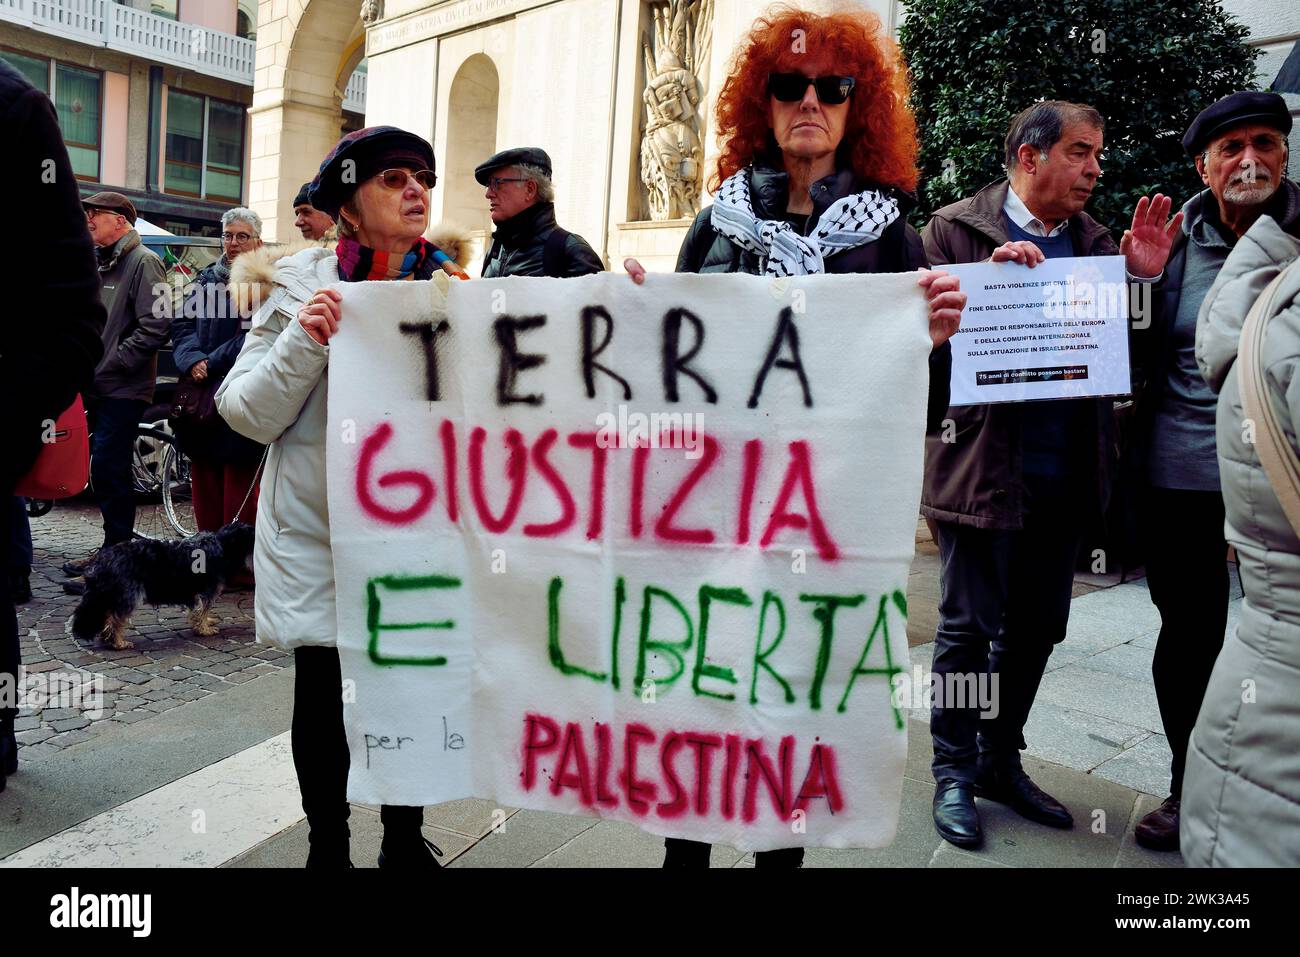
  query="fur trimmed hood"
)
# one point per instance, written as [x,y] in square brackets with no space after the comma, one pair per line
[253,274]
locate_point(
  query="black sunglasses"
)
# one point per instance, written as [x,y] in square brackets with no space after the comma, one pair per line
[790,87]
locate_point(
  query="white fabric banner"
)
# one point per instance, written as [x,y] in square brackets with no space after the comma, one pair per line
[635,552]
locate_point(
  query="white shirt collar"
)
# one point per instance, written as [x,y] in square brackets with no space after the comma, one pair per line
[1019,214]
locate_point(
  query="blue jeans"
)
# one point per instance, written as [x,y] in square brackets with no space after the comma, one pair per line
[114,423]
[1004,604]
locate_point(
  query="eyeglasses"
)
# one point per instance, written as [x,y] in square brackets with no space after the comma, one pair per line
[236,237]
[1264,143]
[790,87]
[396,178]
[94,211]
[495,182]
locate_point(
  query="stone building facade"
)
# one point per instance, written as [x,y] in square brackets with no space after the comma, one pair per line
[619,92]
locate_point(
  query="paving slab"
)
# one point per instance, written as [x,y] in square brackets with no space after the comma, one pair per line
[1101,811]
[1077,739]
[472,817]
[1128,606]
[527,837]
[289,848]
[1122,700]
[1127,661]
[1144,767]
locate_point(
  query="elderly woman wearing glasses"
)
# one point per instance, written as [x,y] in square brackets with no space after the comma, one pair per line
[375,183]
[817,167]
[206,338]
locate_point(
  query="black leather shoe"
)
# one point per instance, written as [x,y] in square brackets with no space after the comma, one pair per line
[1158,830]
[329,858]
[329,848]
[955,817]
[410,854]
[1011,786]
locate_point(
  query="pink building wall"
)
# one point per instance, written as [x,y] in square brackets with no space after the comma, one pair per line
[213,14]
[112,160]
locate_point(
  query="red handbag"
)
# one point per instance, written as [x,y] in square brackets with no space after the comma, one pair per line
[62,468]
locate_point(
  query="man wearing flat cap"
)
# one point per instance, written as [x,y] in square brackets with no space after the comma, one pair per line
[527,240]
[308,220]
[1239,147]
[130,277]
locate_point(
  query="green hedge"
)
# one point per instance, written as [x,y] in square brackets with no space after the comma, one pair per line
[1149,66]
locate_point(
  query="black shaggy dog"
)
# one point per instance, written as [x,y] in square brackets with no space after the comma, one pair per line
[190,572]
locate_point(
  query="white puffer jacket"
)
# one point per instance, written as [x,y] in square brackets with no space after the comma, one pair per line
[275,394]
[1241,789]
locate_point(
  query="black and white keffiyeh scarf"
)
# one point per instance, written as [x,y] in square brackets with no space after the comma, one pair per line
[855,220]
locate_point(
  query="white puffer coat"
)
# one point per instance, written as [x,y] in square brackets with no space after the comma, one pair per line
[275,394]
[1241,789]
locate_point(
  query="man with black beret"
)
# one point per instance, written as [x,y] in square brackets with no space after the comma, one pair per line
[1239,146]
[310,221]
[527,240]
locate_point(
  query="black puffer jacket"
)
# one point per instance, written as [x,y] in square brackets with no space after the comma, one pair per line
[519,247]
[899,249]
[51,339]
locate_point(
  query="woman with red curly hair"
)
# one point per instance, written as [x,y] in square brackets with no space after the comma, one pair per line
[817,166]
[818,162]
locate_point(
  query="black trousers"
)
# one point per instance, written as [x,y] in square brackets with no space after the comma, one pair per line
[679,852]
[1004,604]
[320,751]
[1187,573]
[112,444]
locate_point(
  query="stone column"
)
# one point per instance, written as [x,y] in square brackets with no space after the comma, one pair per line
[297,110]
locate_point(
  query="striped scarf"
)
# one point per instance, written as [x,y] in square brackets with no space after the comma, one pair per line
[855,220]
[358,263]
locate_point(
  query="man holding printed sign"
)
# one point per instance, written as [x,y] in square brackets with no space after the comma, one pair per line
[1011,478]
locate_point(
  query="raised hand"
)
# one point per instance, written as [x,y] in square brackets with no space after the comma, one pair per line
[1145,246]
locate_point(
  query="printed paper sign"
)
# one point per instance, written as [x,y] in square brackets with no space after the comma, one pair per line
[1057,331]
[633,552]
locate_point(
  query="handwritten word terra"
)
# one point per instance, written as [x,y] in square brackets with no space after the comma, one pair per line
[538,458]
[596,323]
[684,780]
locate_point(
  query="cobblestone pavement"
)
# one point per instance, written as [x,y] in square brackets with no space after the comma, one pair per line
[74,690]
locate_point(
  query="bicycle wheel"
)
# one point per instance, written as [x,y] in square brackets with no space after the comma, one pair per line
[156,472]
[177,493]
[36,507]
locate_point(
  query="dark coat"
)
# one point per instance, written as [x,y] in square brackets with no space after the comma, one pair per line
[978,479]
[137,324]
[898,249]
[212,327]
[519,245]
[51,340]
